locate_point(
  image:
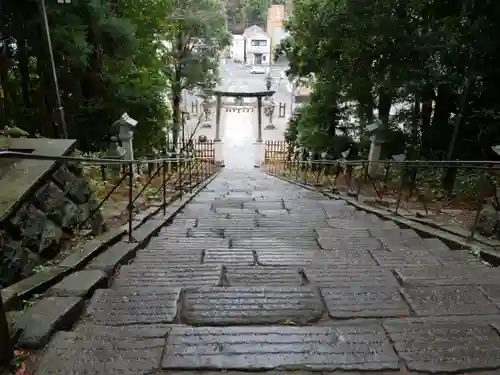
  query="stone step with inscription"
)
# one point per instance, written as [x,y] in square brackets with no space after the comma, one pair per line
[229,256]
[365,302]
[97,353]
[187,243]
[458,257]
[349,347]
[151,258]
[245,305]
[277,233]
[470,274]
[350,276]
[125,306]
[206,233]
[445,347]
[167,275]
[448,300]
[209,223]
[347,243]
[275,244]
[263,276]
[348,257]
[416,258]
[400,239]
[289,258]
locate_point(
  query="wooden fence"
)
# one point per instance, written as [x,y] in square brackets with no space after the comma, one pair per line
[276,151]
[201,149]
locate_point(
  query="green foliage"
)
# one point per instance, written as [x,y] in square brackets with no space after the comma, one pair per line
[435,61]
[110,58]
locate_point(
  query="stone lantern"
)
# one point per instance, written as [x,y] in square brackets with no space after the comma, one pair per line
[206,106]
[269,82]
[116,152]
[126,126]
[269,111]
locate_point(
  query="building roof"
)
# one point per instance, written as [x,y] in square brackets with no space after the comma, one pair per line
[253,30]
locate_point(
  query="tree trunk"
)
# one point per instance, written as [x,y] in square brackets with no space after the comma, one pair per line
[428,96]
[24,73]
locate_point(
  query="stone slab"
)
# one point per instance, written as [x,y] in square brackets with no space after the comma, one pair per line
[127,306]
[92,248]
[435,244]
[448,300]
[349,257]
[264,243]
[79,284]
[349,243]
[165,258]
[350,276]
[251,305]
[135,330]
[73,353]
[459,257]
[449,275]
[147,230]
[116,255]
[289,258]
[49,314]
[260,276]
[229,256]
[365,302]
[349,347]
[445,347]
[187,243]
[169,276]
[416,258]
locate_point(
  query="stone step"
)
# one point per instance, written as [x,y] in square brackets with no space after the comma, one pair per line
[133,305]
[245,305]
[157,275]
[349,347]
[263,276]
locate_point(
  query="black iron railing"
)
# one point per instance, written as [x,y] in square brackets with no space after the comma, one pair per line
[427,191]
[163,175]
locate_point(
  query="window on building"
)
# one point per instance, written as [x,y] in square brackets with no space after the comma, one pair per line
[259,43]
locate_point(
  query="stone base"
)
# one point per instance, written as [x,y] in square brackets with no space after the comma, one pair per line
[219,153]
[260,151]
[270,127]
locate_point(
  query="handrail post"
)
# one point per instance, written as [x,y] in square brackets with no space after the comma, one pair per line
[179,176]
[164,186]
[189,176]
[6,344]
[130,198]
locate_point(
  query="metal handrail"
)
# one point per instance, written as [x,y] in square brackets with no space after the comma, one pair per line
[97,161]
[435,163]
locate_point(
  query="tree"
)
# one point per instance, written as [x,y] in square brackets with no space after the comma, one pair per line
[424,70]
[106,62]
[194,41]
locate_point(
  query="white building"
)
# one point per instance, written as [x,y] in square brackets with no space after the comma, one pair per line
[257,46]
[238,48]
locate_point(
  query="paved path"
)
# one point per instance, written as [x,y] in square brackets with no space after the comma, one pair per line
[256,274]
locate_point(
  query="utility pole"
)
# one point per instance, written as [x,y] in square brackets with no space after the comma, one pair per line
[63,131]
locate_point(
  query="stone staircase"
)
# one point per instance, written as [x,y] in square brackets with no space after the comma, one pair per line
[257,274]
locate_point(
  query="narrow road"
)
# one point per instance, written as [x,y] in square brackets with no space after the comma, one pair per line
[257,274]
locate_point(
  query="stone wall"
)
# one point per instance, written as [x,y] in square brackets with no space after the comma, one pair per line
[46,219]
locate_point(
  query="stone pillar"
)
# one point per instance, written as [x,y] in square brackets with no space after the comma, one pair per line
[374,155]
[126,136]
[217,119]
[259,119]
